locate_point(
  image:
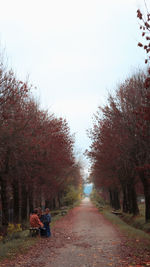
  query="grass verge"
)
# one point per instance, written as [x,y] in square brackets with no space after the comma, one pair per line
[20,242]
[134,230]
[136,239]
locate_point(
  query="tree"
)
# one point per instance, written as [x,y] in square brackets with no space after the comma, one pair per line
[119,147]
[37,162]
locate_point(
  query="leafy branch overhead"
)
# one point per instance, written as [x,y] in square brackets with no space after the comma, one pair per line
[145,28]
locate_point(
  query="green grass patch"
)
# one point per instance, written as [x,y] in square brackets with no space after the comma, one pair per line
[137,221]
[19,241]
[135,237]
[142,209]
[134,228]
[75,204]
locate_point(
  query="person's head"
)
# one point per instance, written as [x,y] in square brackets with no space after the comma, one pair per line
[46,210]
[35,211]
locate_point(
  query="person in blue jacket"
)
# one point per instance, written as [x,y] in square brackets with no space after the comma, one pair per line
[47,221]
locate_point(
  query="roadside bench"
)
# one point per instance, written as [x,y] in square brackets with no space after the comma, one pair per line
[63,212]
[34,231]
[116,212]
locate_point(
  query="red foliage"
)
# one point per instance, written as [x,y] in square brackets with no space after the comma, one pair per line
[36,151]
[120,138]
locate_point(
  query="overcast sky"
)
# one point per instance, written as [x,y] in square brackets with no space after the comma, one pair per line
[74,51]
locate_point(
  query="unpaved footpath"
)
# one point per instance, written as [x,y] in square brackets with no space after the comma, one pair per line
[82,238]
[96,244]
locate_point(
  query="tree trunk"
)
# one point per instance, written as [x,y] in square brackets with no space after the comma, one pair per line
[47,203]
[125,201]
[116,200]
[50,204]
[111,198]
[24,203]
[15,188]
[135,208]
[59,199]
[39,197]
[54,203]
[146,185]
[129,198]
[4,199]
[147,203]
[31,198]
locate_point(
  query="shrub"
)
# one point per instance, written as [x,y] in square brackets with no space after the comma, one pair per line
[72,195]
[13,228]
[96,197]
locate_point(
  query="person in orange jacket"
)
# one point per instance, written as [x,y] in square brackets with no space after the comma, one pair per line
[35,221]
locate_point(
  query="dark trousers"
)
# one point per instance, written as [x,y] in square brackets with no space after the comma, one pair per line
[48,231]
[43,231]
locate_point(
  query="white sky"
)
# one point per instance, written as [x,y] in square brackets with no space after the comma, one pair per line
[74,51]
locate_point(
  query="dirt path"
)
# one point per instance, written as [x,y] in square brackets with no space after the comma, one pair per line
[97,243]
[82,238]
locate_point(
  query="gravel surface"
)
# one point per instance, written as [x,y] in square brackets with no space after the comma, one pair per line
[95,241]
